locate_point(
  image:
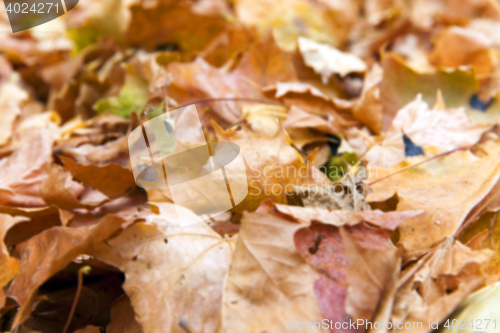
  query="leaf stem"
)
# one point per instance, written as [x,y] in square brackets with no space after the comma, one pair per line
[81,271]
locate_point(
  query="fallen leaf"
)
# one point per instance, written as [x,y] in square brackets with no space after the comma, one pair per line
[387,153]
[401,85]
[264,119]
[198,80]
[426,13]
[47,253]
[339,218]
[371,274]
[448,174]
[123,318]
[109,152]
[285,88]
[431,288]
[272,165]
[9,265]
[298,118]
[22,173]
[266,289]
[112,179]
[368,108]
[228,46]
[61,191]
[437,127]
[290,19]
[171,272]
[327,60]
[170,26]
[266,64]
[450,51]
[89,329]
[12,97]
[476,305]
[322,247]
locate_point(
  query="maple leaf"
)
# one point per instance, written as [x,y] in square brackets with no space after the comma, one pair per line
[171,272]
[48,252]
[449,174]
[278,156]
[327,61]
[404,90]
[268,275]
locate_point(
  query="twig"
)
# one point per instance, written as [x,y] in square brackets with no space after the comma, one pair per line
[419,163]
[81,271]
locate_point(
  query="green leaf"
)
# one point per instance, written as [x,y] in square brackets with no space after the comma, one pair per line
[338,166]
[132,98]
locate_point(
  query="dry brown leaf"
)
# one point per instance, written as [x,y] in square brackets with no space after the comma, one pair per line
[111,179]
[47,253]
[268,283]
[301,88]
[491,202]
[380,11]
[61,191]
[357,141]
[327,60]
[339,218]
[264,119]
[170,26]
[371,274]
[311,99]
[40,219]
[426,13]
[12,97]
[324,21]
[457,46]
[322,247]
[431,288]
[198,80]
[415,49]
[271,162]
[368,109]
[387,153]
[109,152]
[401,85]
[298,118]
[443,188]
[171,272]
[123,318]
[344,73]
[89,329]
[9,266]
[228,46]
[266,64]
[22,173]
[445,128]
[61,73]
